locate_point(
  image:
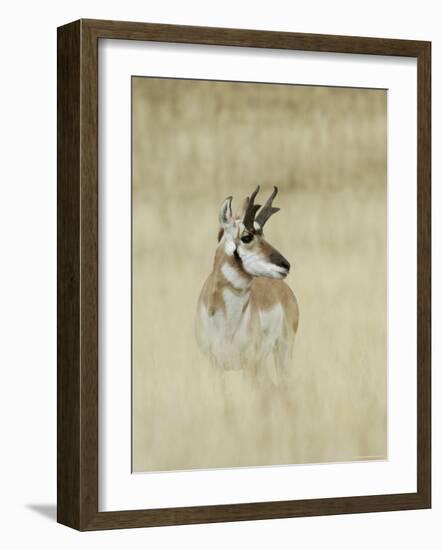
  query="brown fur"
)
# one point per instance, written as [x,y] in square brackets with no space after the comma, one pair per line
[247,345]
[212,291]
[264,293]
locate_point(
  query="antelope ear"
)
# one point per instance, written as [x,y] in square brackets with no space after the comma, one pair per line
[225,213]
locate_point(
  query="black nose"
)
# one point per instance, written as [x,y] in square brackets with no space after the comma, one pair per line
[279,260]
[285,264]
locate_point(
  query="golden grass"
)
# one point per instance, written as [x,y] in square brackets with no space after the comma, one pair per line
[194,144]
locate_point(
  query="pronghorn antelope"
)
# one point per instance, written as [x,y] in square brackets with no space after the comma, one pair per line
[246,313]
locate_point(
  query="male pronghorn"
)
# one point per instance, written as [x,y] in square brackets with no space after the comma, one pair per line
[246,312]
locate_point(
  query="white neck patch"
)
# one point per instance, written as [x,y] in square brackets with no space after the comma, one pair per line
[234,277]
[229,247]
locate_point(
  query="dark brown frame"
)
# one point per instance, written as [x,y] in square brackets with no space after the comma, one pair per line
[77,224]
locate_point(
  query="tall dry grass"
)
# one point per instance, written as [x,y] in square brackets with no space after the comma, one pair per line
[195,143]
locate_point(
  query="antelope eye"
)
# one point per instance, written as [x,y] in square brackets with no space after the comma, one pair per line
[247,238]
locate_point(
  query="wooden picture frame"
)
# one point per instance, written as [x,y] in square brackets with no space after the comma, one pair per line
[77,225]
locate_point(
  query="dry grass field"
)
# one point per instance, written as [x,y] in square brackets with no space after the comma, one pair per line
[194,143]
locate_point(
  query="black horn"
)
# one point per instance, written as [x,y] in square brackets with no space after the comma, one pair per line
[250,212]
[267,210]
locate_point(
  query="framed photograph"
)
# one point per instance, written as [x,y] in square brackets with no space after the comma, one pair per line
[244,290]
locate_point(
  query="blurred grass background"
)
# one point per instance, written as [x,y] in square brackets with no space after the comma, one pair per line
[196,142]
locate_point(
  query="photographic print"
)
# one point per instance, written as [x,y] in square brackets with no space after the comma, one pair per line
[259,274]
